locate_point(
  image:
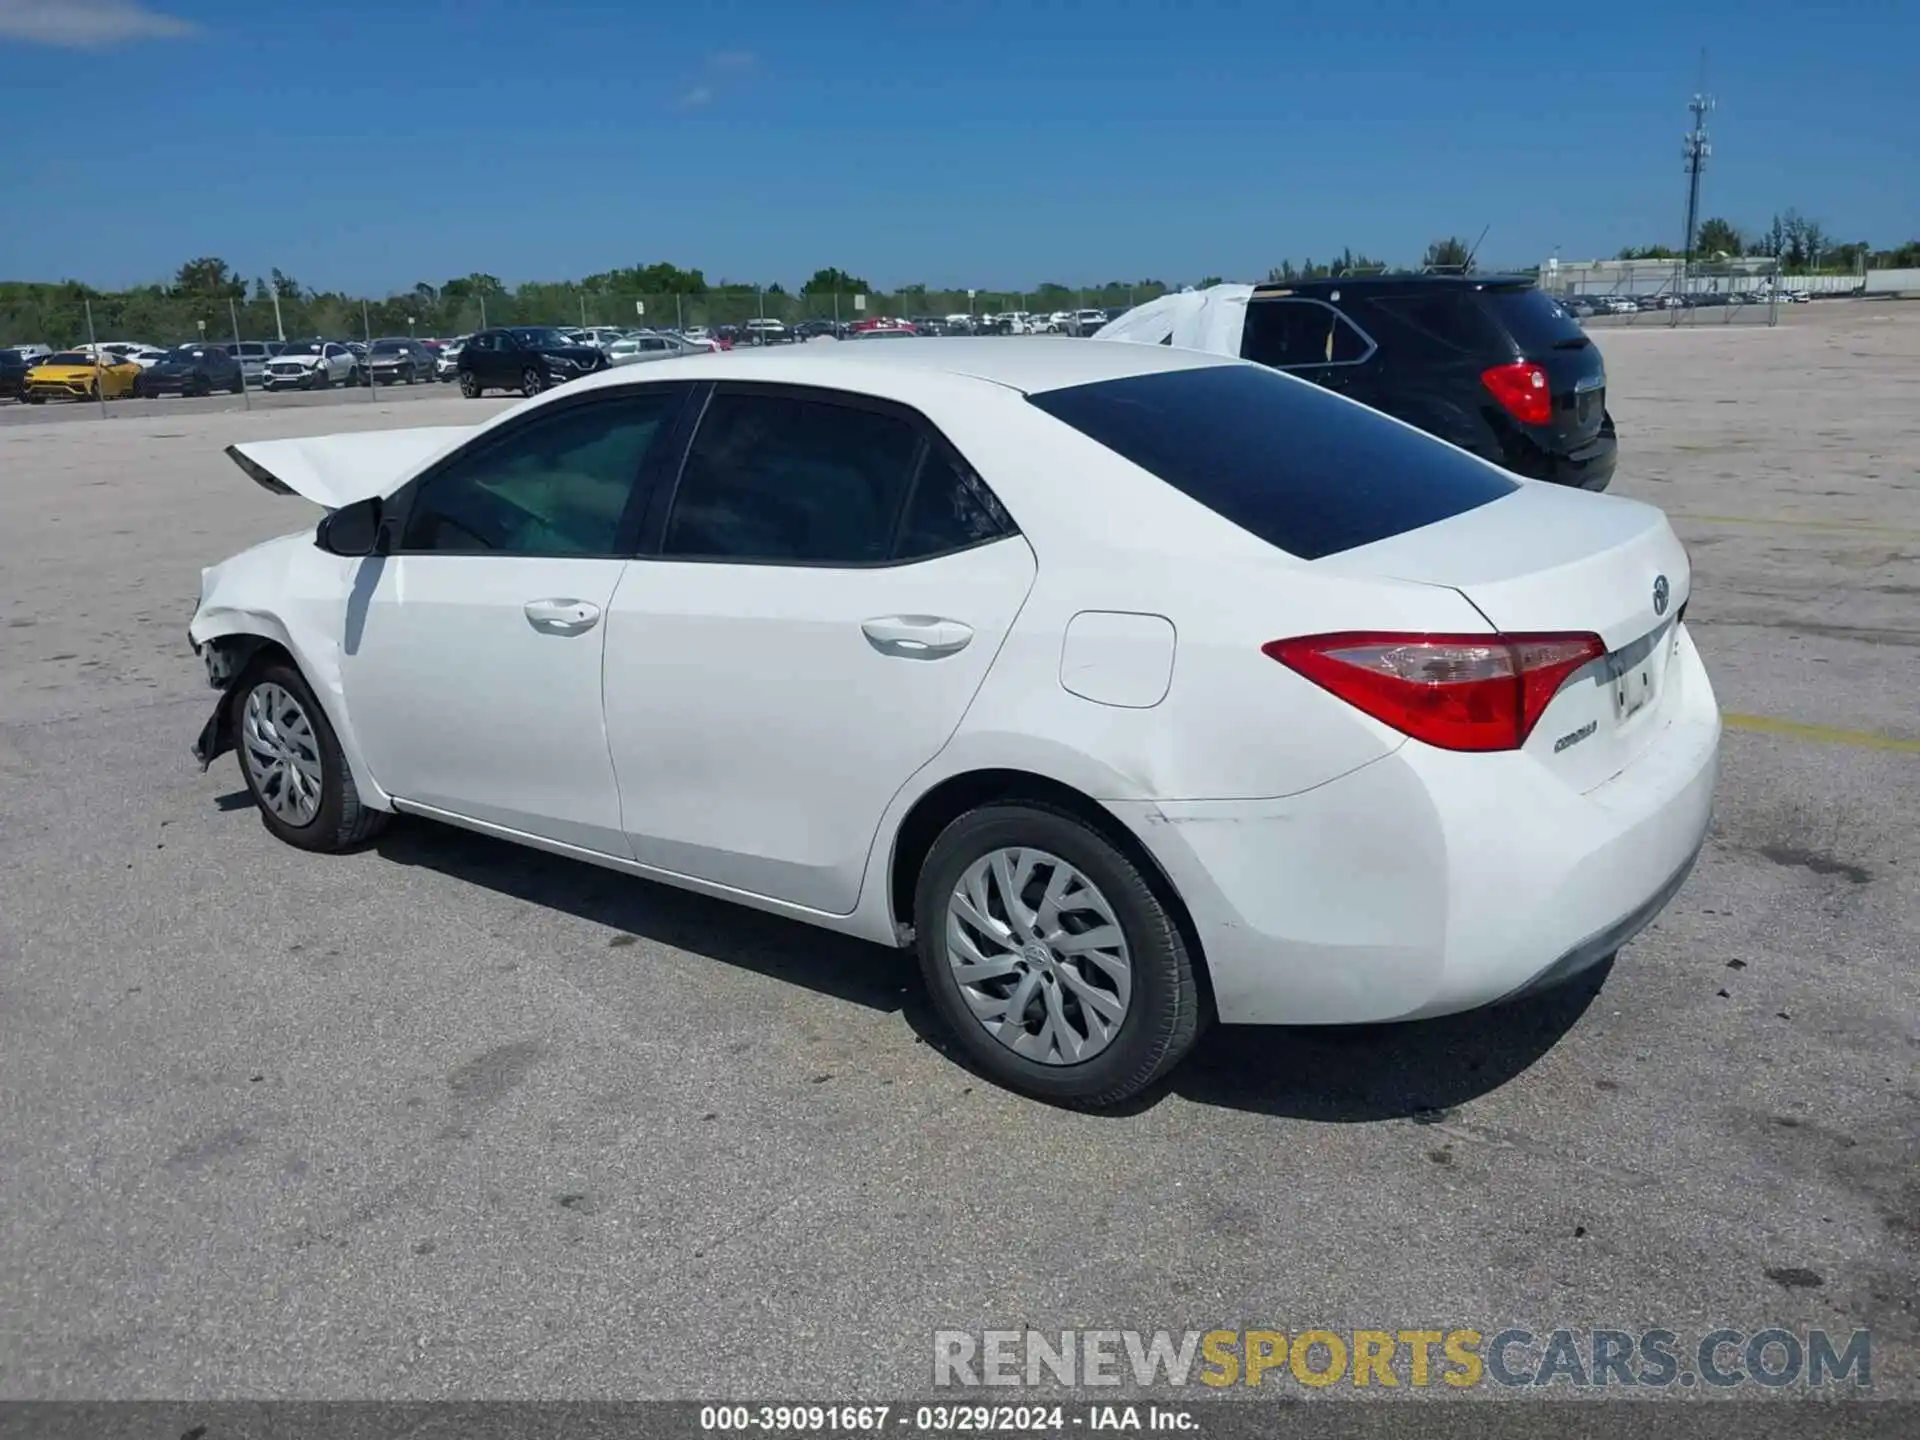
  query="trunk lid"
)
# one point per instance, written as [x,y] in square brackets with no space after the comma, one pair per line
[1543,333]
[1555,560]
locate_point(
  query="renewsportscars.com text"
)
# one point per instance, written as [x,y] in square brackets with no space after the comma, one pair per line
[1457,1358]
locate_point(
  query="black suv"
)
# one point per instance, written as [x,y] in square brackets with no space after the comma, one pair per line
[1492,364]
[13,373]
[527,358]
[198,369]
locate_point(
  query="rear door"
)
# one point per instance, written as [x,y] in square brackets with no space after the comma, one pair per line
[829,586]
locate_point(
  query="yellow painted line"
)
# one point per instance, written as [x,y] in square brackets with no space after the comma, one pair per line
[1861,527]
[1822,734]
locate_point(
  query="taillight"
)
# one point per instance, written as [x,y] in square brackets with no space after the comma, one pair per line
[1456,692]
[1521,389]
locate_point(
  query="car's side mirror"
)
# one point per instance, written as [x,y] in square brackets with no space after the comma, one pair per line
[352,529]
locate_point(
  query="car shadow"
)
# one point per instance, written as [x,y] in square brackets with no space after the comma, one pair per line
[1419,1070]
[780,949]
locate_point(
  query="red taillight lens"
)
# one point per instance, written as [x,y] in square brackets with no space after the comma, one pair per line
[1521,389]
[1456,692]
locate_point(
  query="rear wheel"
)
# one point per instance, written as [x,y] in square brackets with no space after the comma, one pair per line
[532,382]
[470,385]
[293,765]
[1052,958]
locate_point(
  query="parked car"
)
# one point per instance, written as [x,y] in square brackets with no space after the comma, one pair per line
[446,362]
[313,365]
[641,349]
[1124,684]
[1491,364]
[398,361]
[198,369]
[1085,322]
[765,331]
[253,356]
[13,373]
[527,358]
[78,375]
[148,358]
[32,352]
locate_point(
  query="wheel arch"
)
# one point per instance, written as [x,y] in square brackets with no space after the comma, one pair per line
[954,796]
[233,643]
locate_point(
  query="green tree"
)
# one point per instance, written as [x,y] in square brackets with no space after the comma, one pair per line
[209,278]
[1448,254]
[1208,282]
[1719,237]
[834,282]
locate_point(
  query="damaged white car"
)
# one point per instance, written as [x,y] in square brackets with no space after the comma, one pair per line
[1129,686]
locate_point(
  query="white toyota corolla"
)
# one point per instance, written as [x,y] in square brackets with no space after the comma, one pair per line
[1128,685]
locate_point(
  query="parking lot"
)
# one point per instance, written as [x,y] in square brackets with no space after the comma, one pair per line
[448,1118]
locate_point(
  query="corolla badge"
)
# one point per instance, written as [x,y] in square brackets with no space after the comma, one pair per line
[1661,594]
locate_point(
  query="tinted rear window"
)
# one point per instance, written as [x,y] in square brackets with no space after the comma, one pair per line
[1293,464]
[1534,320]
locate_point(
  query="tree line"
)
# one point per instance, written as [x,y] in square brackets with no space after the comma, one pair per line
[1801,244]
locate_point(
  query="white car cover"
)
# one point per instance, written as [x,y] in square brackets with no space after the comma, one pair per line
[1210,320]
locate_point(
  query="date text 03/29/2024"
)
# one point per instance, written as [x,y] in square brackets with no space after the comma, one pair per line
[940,1419]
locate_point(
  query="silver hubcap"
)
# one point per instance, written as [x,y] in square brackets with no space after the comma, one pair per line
[282,756]
[1038,956]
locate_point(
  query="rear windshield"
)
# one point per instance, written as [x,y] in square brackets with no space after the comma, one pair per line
[1301,468]
[1534,320]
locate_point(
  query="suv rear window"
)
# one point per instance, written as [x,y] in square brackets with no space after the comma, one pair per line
[1296,465]
[1535,322]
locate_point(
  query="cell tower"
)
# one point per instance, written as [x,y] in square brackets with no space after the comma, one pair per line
[1694,150]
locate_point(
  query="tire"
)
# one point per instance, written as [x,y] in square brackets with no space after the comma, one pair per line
[239,387]
[470,385]
[338,821]
[409,377]
[323,379]
[532,382]
[93,391]
[1162,1013]
[353,377]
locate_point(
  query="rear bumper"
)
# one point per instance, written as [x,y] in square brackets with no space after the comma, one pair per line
[1590,468]
[1429,882]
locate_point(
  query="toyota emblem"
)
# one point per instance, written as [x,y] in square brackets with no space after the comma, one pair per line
[1660,594]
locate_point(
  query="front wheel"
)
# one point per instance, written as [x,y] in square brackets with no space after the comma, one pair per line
[293,765]
[1052,958]
[532,382]
[353,377]
[470,385]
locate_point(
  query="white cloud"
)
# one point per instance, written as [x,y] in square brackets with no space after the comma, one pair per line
[699,95]
[86,24]
[734,60]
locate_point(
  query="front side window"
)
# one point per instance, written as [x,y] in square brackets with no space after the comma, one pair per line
[557,485]
[1286,333]
[781,479]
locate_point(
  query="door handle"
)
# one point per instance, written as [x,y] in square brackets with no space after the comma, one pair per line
[917,637]
[562,617]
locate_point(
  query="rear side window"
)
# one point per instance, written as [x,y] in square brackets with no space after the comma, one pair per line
[1285,333]
[1303,469]
[776,479]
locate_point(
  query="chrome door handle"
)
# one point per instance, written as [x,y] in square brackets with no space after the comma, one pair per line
[917,637]
[562,617]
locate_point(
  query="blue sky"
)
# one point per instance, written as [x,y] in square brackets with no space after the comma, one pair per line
[366,146]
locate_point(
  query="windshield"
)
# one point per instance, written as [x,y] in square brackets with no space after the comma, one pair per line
[391,347]
[540,335]
[310,349]
[188,353]
[68,357]
[1536,323]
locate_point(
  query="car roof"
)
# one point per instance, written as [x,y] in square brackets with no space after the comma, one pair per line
[1031,366]
[1394,282]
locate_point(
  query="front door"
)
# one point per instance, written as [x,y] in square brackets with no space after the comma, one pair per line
[831,585]
[472,652]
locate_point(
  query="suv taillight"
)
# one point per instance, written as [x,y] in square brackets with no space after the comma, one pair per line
[1456,692]
[1521,389]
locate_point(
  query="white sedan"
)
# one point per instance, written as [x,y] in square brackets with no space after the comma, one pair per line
[1126,685]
